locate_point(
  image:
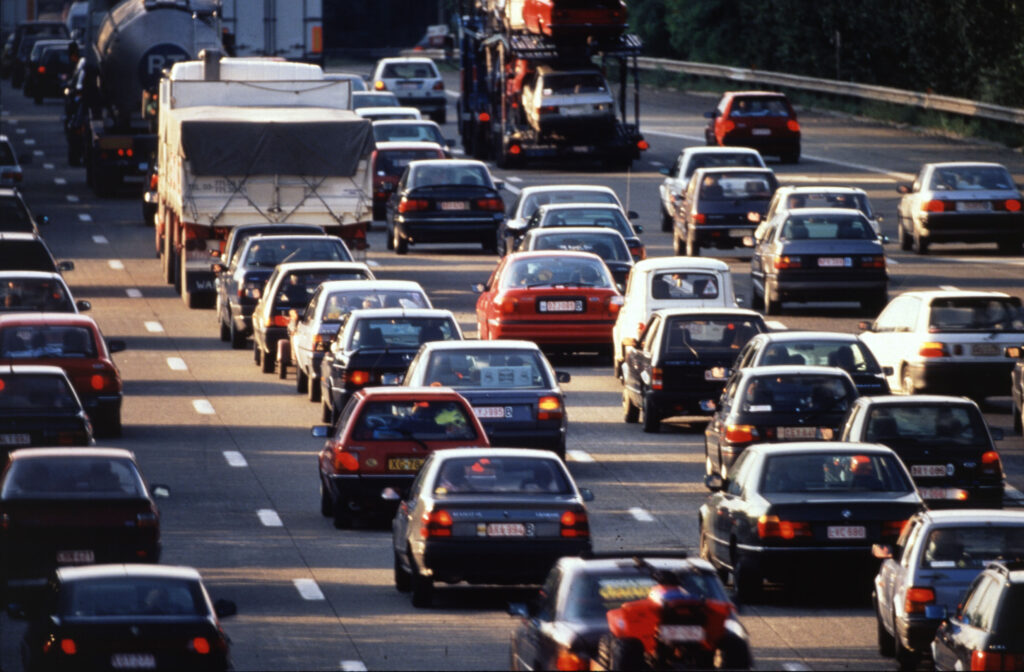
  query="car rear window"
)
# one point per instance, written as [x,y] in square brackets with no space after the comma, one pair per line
[13,216]
[852,357]
[340,303]
[403,420]
[595,593]
[415,132]
[33,294]
[373,99]
[693,335]
[608,217]
[449,173]
[402,332]
[679,285]
[971,178]
[825,227]
[972,547]
[420,70]
[832,472]
[297,288]
[393,161]
[20,392]
[73,478]
[722,159]
[132,596]
[487,369]
[271,252]
[734,186]
[32,341]
[552,271]
[608,247]
[759,106]
[927,424]
[569,84]
[826,199]
[975,314]
[25,255]
[57,55]
[500,476]
[797,393]
[534,201]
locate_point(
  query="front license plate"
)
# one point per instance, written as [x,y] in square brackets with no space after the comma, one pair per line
[133,661]
[561,306]
[405,463]
[391,379]
[716,373]
[832,262]
[760,131]
[985,349]
[15,439]
[506,530]
[932,493]
[493,412]
[973,206]
[847,532]
[798,432]
[454,205]
[681,633]
[75,557]
[929,471]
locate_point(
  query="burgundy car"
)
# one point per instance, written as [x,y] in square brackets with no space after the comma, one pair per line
[565,18]
[762,120]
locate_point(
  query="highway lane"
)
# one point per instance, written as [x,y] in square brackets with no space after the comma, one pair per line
[222,518]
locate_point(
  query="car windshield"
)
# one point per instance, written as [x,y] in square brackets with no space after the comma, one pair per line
[826,227]
[13,216]
[797,393]
[735,186]
[828,199]
[608,247]
[573,83]
[34,294]
[608,217]
[21,392]
[445,173]
[32,341]
[487,369]
[554,271]
[722,159]
[693,335]
[759,106]
[270,252]
[73,478]
[833,472]
[137,596]
[684,285]
[418,132]
[927,424]
[340,303]
[594,593]
[402,420]
[975,314]
[393,161]
[500,476]
[972,547]
[26,255]
[401,332]
[532,202]
[373,99]
[296,289]
[850,356]
[971,178]
[419,70]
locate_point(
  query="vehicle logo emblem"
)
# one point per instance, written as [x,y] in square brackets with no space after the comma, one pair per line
[950,469]
[846,514]
[134,630]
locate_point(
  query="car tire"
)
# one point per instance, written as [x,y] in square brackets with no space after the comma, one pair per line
[692,248]
[326,505]
[732,654]
[756,300]
[920,244]
[652,420]
[301,381]
[666,220]
[312,389]
[342,515]
[791,157]
[906,381]
[37,99]
[906,241]
[257,354]
[403,579]
[225,331]
[108,424]
[1009,246]
[325,411]
[266,362]
[630,411]
[625,653]
[390,238]
[747,580]
[282,364]
[422,589]
[237,337]
[886,642]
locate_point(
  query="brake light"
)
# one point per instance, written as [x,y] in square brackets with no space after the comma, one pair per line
[638,251]
[249,290]
[413,204]
[991,465]
[483,117]
[932,349]
[656,378]
[5,521]
[380,86]
[575,524]
[357,377]
[917,599]
[492,204]
[549,408]
[97,382]
[344,461]
[613,304]
[41,69]
[515,150]
[793,125]
[699,218]
[787,262]
[439,85]
[68,647]
[436,524]
[996,660]
[70,438]
[200,645]
[893,528]
[507,304]
[728,126]
[934,205]
[876,261]
[280,320]
[153,180]
[1012,205]
[740,433]
[319,344]
[772,527]
[568,660]
[643,145]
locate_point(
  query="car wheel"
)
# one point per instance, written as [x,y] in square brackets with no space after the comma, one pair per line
[108,425]
[1009,246]
[266,362]
[342,515]
[326,505]
[422,588]
[257,354]
[747,580]
[906,660]
[666,220]
[906,380]
[1018,419]
[403,579]
[301,381]
[920,243]
[225,330]
[886,642]
[630,411]
[625,654]
[906,242]
[390,238]
[312,389]
[401,245]
[38,100]
[652,420]
[237,337]
[282,363]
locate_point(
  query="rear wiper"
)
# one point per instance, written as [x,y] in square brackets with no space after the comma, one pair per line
[408,434]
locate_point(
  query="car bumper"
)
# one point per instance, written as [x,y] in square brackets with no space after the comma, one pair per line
[766,145]
[727,236]
[838,289]
[548,333]
[977,495]
[969,378]
[787,564]
[548,437]
[476,229]
[102,404]
[691,401]
[575,125]
[509,562]
[241,315]
[363,492]
[972,227]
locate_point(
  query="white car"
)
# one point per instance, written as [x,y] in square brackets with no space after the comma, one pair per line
[576,102]
[690,159]
[36,291]
[416,82]
[10,170]
[356,81]
[947,341]
[789,198]
[531,198]
[670,282]
[378,113]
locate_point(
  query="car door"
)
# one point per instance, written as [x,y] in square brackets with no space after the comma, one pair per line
[713,431]
[892,574]
[306,327]
[969,628]
[728,507]
[485,303]
[638,361]
[892,334]
[761,260]
[908,203]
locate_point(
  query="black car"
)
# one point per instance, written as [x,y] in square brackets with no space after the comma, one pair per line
[374,347]
[21,41]
[240,282]
[487,516]
[790,511]
[39,407]
[944,441]
[510,384]
[15,215]
[723,206]
[74,506]
[817,348]
[48,70]
[600,215]
[444,201]
[1017,387]
[773,404]
[567,618]
[984,633]
[680,362]
[139,617]
[818,254]
[604,242]
[29,252]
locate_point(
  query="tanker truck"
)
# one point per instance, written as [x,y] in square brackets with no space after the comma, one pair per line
[128,46]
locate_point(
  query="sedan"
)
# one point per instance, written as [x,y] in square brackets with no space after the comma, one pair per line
[513,389]
[39,407]
[763,120]
[444,201]
[36,291]
[590,214]
[605,243]
[389,161]
[689,160]
[492,516]
[561,19]
[74,506]
[15,214]
[531,198]
[787,512]
[723,206]
[560,300]
[142,617]
[961,202]
[11,173]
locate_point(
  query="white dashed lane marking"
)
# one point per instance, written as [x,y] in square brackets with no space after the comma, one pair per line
[153,327]
[235,458]
[116,264]
[308,589]
[133,293]
[48,166]
[352,666]
[59,181]
[269,518]
[29,141]
[641,514]
[579,456]
[85,217]
[72,198]
[177,364]
[203,407]
[100,240]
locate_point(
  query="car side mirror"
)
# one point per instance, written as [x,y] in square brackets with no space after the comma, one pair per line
[639,229]
[499,185]
[714,482]
[903,188]
[116,345]
[865,326]
[881,551]
[83,305]
[632,214]
[321,431]
[66,265]
[888,371]
[664,171]
[997,433]
[587,494]
[479,288]
[516,224]
[224,608]
[160,491]
[563,376]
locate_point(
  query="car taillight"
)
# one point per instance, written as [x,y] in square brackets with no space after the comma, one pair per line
[575,524]
[507,304]
[740,433]
[492,204]
[637,251]
[728,126]
[357,377]
[154,180]
[483,117]
[515,150]
[280,321]
[380,86]
[656,378]
[200,645]
[41,69]
[345,461]
[439,85]
[413,204]
[991,465]
[570,660]
[436,524]
[643,145]
[935,205]
[784,262]
[613,304]
[68,646]
[125,153]
[893,528]
[1012,205]
[699,218]
[932,349]
[319,344]
[875,261]
[917,599]
[5,521]
[70,438]
[793,125]
[770,527]
[548,109]
[996,660]
[549,408]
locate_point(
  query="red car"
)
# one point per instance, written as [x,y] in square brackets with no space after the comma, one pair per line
[562,18]
[561,300]
[74,343]
[762,120]
[389,161]
[381,440]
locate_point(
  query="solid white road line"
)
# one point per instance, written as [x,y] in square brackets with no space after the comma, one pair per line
[641,514]
[235,458]
[579,456]
[203,407]
[153,327]
[20,131]
[308,589]
[133,293]
[269,518]
[177,364]
[513,178]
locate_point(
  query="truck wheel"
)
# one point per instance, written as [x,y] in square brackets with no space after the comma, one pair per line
[168,260]
[625,654]
[189,298]
[102,184]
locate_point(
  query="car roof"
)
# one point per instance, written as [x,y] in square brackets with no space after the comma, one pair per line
[807,189]
[965,164]
[540,254]
[794,369]
[973,516]
[407,144]
[807,335]
[626,564]
[368,313]
[357,285]
[77,451]
[578,230]
[723,310]
[405,59]
[141,570]
[447,453]
[272,236]
[579,206]
[681,263]
[269,226]
[754,93]
[9,192]
[791,447]
[7,319]
[411,393]
[826,212]
[408,122]
[540,188]
[290,266]
[476,344]
[37,275]
[17,236]
[915,400]
[370,109]
[715,170]
[448,162]
[699,149]
[929,294]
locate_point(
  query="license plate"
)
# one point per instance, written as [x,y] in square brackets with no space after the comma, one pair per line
[929,470]
[973,206]
[405,463]
[798,432]
[454,205]
[75,557]
[847,532]
[391,378]
[408,86]
[739,233]
[716,373]
[133,661]
[506,530]
[561,306]
[760,131]
[985,349]
[932,493]
[832,262]
[581,149]
[493,412]
[15,439]
[681,633]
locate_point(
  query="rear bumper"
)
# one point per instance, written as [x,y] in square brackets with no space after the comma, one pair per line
[476,229]
[972,227]
[837,289]
[562,334]
[495,561]
[428,104]
[787,564]
[766,145]
[544,437]
[971,378]
[363,492]
[916,634]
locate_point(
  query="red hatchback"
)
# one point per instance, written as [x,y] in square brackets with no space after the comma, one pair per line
[560,300]
[389,161]
[380,442]
[564,18]
[762,120]
[74,343]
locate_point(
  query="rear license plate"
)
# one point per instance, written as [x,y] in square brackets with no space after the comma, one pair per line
[391,378]
[929,471]
[454,205]
[506,530]
[581,149]
[932,493]
[133,661]
[833,262]
[75,557]
[561,306]
[985,349]
[405,463]
[408,86]
[847,532]
[798,432]
[973,206]
[716,373]
[760,131]
[15,439]
[493,412]
[739,233]
[681,633]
